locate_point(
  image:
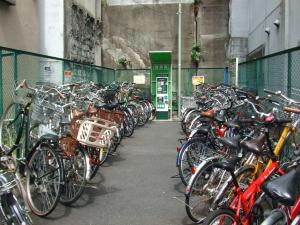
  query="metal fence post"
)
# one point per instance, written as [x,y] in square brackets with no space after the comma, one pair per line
[15,70]
[1,85]
[289,80]
[225,75]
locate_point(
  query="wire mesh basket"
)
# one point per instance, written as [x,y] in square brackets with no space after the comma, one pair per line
[7,182]
[188,102]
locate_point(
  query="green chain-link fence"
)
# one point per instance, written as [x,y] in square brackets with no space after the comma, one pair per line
[16,65]
[279,71]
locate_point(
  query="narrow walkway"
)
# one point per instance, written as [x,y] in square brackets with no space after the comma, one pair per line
[134,187]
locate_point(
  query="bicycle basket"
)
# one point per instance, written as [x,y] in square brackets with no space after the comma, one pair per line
[113,116]
[95,132]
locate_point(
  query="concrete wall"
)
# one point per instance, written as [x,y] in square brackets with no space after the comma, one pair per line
[294,28]
[132,31]
[83,30]
[261,15]
[19,25]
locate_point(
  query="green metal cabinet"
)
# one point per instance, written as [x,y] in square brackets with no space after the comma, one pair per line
[161,83]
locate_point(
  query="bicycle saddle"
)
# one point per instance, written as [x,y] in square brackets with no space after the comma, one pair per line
[220,117]
[51,137]
[110,106]
[231,142]
[203,129]
[229,164]
[233,123]
[255,145]
[208,114]
[284,189]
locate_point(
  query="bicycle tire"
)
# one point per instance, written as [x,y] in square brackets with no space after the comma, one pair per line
[274,218]
[183,152]
[66,197]
[9,124]
[11,206]
[210,197]
[56,161]
[220,212]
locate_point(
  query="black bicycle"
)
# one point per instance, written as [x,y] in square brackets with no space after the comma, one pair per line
[38,163]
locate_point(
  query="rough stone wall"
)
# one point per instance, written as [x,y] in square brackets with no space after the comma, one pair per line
[83,30]
[132,31]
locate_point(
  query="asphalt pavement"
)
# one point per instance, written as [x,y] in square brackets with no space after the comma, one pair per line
[135,187]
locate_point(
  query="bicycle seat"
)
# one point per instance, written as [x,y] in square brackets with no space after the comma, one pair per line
[91,110]
[220,117]
[51,137]
[255,145]
[284,189]
[208,114]
[203,130]
[110,106]
[233,123]
[229,164]
[231,142]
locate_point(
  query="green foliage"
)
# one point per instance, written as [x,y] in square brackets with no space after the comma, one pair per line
[124,62]
[197,2]
[196,53]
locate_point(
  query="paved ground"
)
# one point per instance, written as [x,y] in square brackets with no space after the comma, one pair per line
[133,188]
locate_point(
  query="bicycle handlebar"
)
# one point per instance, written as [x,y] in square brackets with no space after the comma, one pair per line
[24,84]
[279,93]
[261,114]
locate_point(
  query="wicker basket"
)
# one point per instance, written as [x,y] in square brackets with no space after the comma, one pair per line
[113,116]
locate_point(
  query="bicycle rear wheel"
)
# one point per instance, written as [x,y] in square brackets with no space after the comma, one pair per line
[44,180]
[10,125]
[75,174]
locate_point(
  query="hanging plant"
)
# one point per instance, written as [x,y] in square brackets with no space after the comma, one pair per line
[196,54]
[124,62]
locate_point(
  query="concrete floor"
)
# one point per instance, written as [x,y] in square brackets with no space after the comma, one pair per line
[133,188]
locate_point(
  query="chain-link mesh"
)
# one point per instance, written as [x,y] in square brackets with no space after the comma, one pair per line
[280,71]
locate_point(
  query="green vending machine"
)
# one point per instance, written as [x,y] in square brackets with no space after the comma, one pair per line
[161,83]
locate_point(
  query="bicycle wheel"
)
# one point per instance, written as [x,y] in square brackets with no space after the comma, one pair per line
[14,212]
[44,180]
[128,125]
[277,217]
[221,216]
[191,155]
[75,174]
[10,124]
[206,186]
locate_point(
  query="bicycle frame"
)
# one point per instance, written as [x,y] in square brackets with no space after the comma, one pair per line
[246,199]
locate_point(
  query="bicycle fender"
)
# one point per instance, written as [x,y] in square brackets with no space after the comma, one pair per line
[179,155]
[198,169]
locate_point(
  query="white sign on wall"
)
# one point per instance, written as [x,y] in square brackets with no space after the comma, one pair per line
[139,79]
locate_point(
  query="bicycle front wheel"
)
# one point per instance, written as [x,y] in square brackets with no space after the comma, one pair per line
[45,176]
[221,216]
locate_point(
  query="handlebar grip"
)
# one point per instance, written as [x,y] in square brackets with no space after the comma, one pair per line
[291,110]
[61,95]
[270,92]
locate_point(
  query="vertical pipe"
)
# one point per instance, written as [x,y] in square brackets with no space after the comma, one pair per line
[15,70]
[236,72]
[289,84]
[179,58]
[1,85]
